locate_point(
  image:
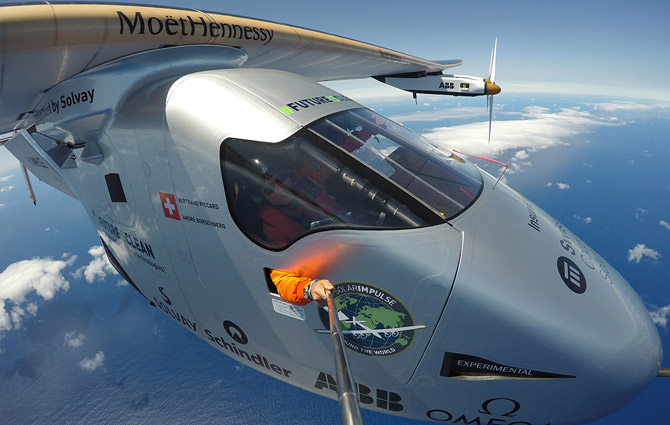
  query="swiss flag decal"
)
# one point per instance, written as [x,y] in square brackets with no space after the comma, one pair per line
[169,204]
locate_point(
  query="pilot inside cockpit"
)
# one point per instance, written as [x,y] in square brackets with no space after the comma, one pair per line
[289,194]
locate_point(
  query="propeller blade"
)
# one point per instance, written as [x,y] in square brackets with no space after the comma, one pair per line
[489,104]
[492,64]
[492,79]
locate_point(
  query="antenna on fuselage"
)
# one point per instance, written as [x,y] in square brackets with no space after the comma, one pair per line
[31,192]
[489,160]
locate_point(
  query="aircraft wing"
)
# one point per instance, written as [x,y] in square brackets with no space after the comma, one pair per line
[44,44]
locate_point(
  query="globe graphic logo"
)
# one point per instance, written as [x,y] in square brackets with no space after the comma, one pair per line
[373,321]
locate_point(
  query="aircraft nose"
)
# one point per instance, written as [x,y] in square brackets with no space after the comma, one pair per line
[604,338]
[538,298]
[623,350]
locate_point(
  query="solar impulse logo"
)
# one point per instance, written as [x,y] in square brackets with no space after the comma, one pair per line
[374,322]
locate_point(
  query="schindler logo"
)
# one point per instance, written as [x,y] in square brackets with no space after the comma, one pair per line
[194,27]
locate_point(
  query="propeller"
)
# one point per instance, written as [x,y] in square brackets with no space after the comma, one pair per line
[491,87]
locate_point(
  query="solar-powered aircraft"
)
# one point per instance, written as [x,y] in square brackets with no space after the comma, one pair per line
[459,300]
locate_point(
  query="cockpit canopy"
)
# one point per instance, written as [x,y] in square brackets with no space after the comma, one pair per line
[351,169]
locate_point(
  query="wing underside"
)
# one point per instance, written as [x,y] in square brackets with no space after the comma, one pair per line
[42,45]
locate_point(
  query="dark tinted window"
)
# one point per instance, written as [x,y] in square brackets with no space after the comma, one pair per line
[441,180]
[279,192]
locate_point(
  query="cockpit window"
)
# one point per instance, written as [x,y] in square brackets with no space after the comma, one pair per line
[350,170]
[280,192]
[443,181]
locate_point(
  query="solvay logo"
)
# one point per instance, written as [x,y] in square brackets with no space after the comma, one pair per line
[169,204]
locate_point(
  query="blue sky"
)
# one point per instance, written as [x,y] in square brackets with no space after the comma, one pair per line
[622,45]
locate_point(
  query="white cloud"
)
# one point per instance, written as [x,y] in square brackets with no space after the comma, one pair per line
[539,128]
[92,364]
[6,178]
[619,106]
[640,212]
[660,316]
[98,269]
[563,186]
[522,154]
[73,339]
[586,220]
[156,331]
[550,184]
[518,166]
[664,224]
[636,254]
[31,308]
[6,188]
[18,313]
[40,275]
[460,113]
